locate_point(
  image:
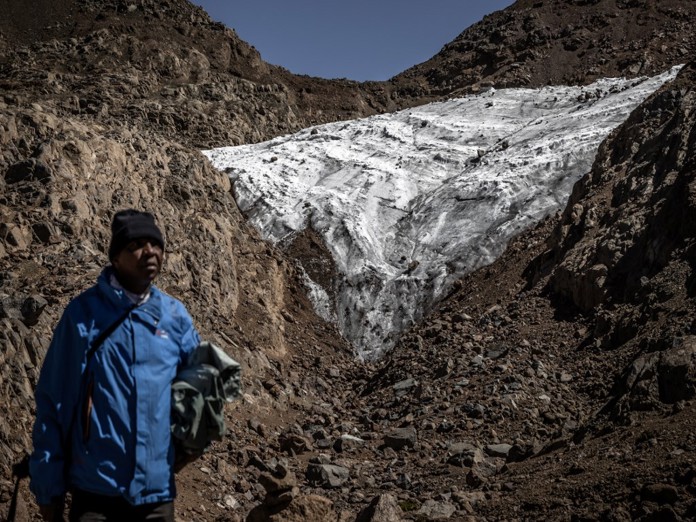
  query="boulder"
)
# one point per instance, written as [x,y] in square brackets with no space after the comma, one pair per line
[434,510]
[401,438]
[383,508]
[307,508]
[676,375]
[327,475]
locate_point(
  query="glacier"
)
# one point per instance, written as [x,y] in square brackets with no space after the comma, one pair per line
[409,202]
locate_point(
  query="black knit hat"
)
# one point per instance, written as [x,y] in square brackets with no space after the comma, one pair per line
[129,225]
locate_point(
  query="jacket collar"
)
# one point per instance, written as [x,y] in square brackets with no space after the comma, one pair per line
[118,297]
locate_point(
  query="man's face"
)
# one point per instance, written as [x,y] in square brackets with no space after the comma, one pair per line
[138,264]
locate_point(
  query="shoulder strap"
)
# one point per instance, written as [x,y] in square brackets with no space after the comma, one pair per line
[103,335]
[106,333]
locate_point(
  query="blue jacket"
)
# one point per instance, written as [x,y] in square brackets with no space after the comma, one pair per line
[123,447]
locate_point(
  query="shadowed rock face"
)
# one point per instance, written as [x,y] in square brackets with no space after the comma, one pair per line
[104,104]
[559,42]
[632,218]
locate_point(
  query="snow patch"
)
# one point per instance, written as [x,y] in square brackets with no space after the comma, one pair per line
[409,202]
[319,298]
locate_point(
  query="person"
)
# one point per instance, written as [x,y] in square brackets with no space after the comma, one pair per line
[102,428]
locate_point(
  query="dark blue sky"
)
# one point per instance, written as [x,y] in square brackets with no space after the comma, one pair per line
[355,39]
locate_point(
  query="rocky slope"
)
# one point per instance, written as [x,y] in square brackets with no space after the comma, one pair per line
[559,42]
[558,383]
[549,353]
[83,134]
[164,67]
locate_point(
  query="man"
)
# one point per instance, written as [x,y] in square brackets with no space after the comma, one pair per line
[102,426]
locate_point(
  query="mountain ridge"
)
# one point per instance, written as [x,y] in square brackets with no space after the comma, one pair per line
[534,43]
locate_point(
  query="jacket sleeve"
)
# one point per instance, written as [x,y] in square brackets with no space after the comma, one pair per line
[190,338]
[56,397]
